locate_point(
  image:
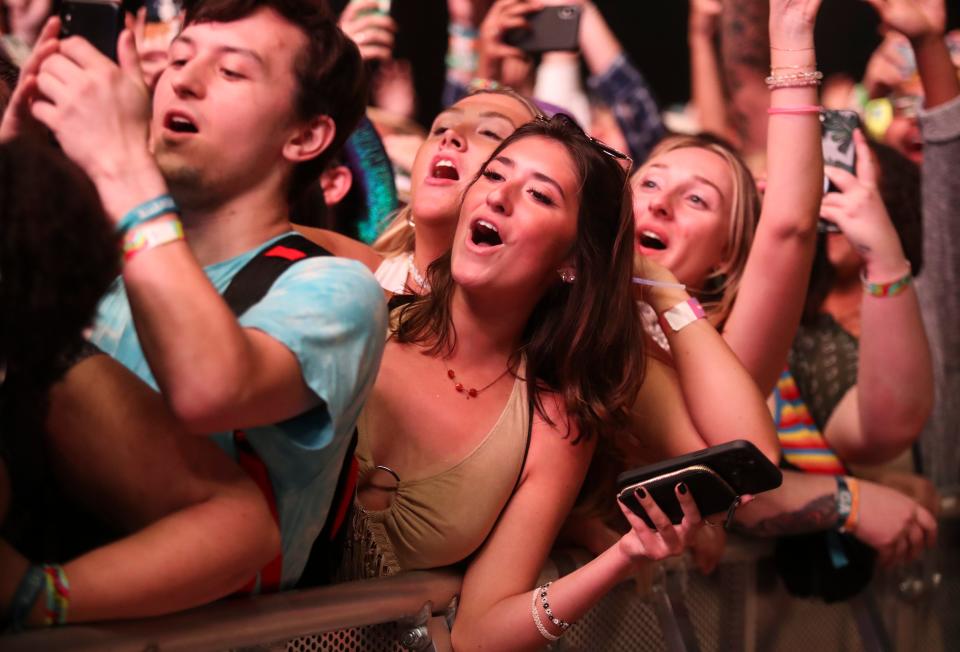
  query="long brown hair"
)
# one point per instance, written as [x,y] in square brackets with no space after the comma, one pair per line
[583,340]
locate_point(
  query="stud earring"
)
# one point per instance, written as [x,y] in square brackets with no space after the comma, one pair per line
[567,275]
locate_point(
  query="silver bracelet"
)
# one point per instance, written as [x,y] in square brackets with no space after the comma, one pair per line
[562,624]
[536,618]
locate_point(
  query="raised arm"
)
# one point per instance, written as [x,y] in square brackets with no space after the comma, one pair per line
[214,374]
[619,84]
[769,302]
[884,413]
[745,47]
[706,83]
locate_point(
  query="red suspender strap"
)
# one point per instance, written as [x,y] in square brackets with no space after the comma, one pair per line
[250,462]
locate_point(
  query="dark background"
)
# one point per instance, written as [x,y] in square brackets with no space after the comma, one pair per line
[652,31]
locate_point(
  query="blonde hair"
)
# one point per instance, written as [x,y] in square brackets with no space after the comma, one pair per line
[399,236]
[721,286]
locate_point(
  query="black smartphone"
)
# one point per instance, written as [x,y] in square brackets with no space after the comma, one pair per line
[551,28]
[716,477]
[837,127]
[98,21]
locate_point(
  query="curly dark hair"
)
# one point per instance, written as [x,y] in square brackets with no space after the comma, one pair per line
[58,254]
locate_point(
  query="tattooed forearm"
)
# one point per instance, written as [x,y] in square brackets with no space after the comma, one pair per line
[819,514]
[744,35]
[745,53]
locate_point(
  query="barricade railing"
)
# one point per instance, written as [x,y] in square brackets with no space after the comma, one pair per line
[742,606]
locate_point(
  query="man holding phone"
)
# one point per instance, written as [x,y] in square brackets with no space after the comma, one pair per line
[257,96]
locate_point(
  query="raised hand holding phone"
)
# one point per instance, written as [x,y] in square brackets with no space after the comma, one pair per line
[99,112]
[859,212]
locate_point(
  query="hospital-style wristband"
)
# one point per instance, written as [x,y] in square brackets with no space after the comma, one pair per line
[151,235]
[848,503]
[891,289]
[145,212]
[681,315]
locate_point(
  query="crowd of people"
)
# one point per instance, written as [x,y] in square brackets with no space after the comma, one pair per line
[259,330]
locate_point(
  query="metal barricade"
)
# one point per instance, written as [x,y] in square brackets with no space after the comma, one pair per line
[741,607]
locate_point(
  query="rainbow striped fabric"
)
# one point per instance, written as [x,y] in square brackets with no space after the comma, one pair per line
[800,439]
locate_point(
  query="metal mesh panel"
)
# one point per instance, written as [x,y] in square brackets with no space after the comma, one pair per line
[785,623]
[376,638]
[716,606]
[622,620]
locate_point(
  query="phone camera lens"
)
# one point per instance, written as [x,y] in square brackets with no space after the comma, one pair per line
[567,13]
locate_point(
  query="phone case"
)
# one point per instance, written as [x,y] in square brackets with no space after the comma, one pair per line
[711,493]
[715,476]
[100,22]
[837,141]
[551,28]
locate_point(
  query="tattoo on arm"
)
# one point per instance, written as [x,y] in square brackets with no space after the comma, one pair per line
[745,48]
[817,515]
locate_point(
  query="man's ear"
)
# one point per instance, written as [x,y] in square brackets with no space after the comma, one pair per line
[310,140]
[336,183]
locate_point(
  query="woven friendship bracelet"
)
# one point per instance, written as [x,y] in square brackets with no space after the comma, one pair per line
[890,289]
[58,594]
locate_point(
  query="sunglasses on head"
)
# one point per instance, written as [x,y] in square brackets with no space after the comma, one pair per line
[622,159]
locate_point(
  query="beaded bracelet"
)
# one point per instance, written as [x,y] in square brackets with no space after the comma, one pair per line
[891,289]
[559,622]
[536,618]
[148,210]
[812,78]
[25,597]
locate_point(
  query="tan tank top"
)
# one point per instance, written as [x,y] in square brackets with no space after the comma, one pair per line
[443,518]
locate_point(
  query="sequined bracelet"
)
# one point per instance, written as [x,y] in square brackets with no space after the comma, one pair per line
[891,289]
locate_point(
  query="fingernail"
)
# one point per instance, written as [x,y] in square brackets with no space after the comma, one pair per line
[682,488]
[641,494]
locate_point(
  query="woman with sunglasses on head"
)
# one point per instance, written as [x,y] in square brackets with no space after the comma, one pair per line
[497,386]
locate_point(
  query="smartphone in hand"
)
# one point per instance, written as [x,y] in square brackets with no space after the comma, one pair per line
[556,27]
[716,477]
[98,21]
[837,128]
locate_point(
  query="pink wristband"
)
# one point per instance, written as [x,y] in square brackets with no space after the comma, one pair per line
[789,110]
[681,315]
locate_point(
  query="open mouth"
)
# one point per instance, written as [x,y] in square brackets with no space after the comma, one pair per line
[180,124]
[444,169]
[651,240]
[485,234]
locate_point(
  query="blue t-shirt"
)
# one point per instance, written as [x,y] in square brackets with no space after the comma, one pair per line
[330,312]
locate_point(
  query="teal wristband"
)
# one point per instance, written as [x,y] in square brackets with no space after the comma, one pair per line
[463,31]
[148,210]
[23,600]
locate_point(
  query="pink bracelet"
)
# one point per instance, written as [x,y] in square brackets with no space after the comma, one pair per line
[800,108]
